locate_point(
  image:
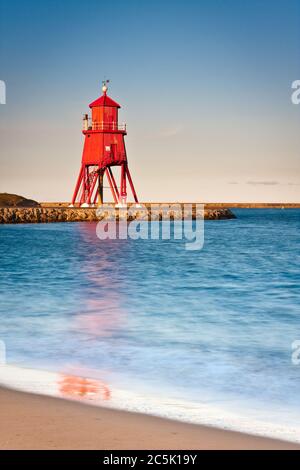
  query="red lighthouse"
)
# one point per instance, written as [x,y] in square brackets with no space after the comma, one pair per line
[104,148]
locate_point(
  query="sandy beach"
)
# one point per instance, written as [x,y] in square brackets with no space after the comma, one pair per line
[38,422]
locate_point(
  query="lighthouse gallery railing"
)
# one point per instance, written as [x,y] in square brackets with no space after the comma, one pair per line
[103,126]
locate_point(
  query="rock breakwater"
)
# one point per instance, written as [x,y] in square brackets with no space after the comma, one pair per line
[20,215]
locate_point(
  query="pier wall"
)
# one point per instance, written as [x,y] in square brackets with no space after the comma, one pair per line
[17,215]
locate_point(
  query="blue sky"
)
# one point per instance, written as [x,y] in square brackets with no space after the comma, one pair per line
[204,86]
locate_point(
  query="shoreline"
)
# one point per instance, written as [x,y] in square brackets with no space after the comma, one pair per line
[98,395]
[30,421]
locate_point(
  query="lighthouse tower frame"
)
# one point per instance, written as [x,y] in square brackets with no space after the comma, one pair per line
[104,148]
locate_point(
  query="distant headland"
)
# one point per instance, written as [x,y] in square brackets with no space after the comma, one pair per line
[14,200]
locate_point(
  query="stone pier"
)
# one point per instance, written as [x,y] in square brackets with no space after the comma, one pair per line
[21,215]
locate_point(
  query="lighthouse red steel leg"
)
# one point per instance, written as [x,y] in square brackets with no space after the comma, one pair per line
[131,184]
[96,197]
[123,184]
[84,186]
[111,186]
[100,186]
[114,182]
[87,185]
[78,184]
[92,187]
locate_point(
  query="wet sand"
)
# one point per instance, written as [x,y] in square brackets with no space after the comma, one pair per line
[38,422]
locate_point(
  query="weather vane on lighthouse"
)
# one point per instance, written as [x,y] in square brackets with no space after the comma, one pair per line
[104,148]
[104,85]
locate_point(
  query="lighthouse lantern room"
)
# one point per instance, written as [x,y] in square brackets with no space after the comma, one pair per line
[104,148]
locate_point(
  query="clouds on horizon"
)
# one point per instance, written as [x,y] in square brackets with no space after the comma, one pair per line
[264,183]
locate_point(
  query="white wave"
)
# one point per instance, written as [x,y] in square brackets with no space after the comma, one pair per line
[49,383]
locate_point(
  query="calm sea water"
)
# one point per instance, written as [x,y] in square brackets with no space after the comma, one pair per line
[212,326]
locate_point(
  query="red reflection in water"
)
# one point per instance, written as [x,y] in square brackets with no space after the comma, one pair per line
[71,386]
[101,265]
